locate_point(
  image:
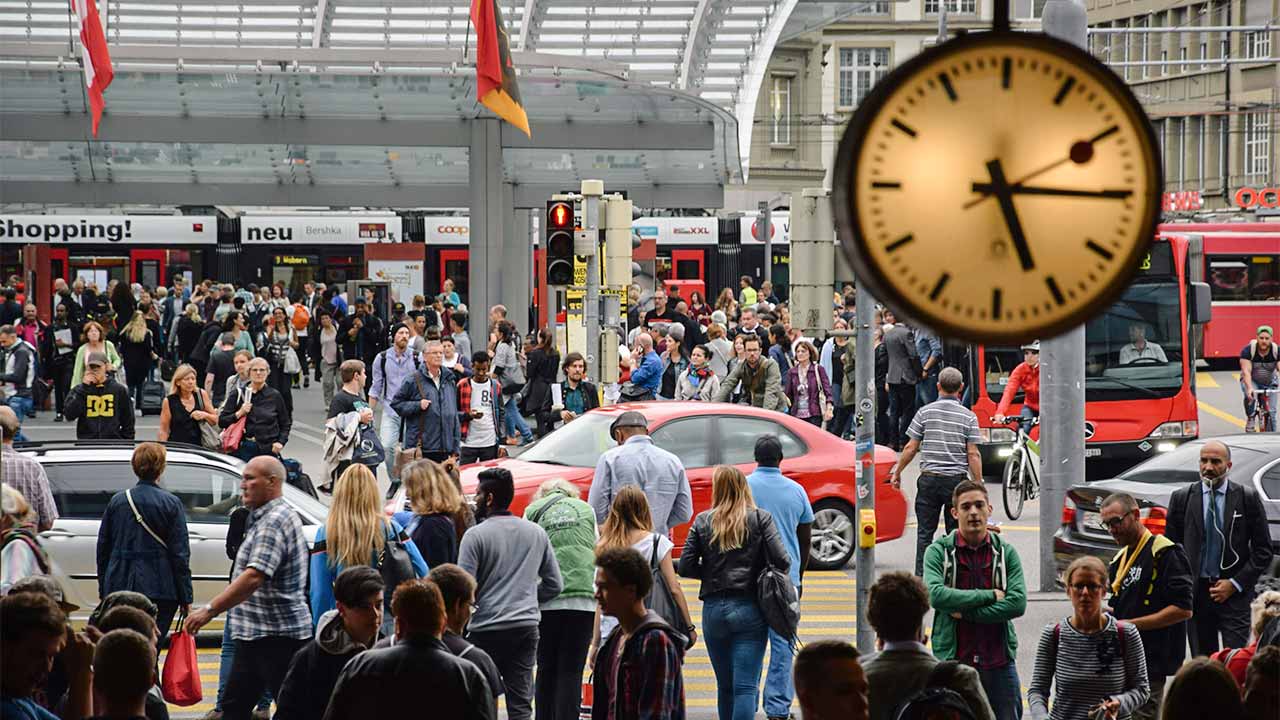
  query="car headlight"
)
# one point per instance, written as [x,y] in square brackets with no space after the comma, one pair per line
[1187,428]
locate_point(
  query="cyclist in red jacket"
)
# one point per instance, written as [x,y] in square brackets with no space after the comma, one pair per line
[1027,377]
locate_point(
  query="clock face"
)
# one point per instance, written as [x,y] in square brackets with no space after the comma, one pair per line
[1000,187]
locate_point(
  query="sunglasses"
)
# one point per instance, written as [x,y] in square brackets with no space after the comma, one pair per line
[1114,522]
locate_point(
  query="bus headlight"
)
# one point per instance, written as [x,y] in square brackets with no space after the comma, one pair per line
[1188,428]
[1164,447]
[1003,435]
[1004,452]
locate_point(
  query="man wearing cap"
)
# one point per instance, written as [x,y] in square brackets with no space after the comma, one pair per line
[1258,371]
[637,461]
[1025,377]
[390,369]
[100,405]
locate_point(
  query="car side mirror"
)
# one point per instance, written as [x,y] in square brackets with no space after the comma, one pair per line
[1201,303]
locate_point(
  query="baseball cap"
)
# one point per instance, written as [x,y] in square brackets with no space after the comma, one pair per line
[96,358]
[1264,329]
[123,598]
[630,418]
[44,585]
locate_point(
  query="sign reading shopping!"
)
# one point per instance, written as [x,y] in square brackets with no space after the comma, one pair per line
[319,229]
[108,229]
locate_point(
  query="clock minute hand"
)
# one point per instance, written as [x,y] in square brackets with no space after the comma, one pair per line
[1000,188]
[1087,144]
[1061,192]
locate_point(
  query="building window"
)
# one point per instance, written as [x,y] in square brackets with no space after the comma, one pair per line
[1164,58]
[1204,52]
[1257,147]
[1257,44]
[860,70]
[1180,127]
[780,110]
[954,7]
[1144,48]
[1182,55]
[878,7]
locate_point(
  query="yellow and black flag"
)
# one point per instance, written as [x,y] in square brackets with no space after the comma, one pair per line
[495,74]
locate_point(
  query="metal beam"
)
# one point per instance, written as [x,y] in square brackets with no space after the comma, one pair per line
[320,23]
[44,127]
[90,194]
[749,92]
[691,45]
[526,23]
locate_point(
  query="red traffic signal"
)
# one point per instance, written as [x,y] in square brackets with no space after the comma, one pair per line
[559,215]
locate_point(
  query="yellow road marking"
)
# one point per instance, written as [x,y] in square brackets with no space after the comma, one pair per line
[1220,414]
[1204,379]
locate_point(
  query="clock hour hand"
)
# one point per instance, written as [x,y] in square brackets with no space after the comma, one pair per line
[1000,188]
[1060,192]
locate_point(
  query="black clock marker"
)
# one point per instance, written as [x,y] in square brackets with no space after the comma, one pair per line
[995,303]
[886,185]
[942,283]
[904,127]
[1105,253]
[1069,83]
[1053,290]
[899,243]
[946,85]
[1006,73]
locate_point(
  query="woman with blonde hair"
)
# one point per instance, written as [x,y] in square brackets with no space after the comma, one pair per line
[137,347]
[432,521]
[185,408]
[630,525]
[93,338]
[187,330]
[355,533]
[727,548]
[1094,663]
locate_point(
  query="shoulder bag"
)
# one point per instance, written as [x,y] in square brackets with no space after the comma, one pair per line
[128,495]
[662,599]
[394,562]
[777,596]
[234,433]
[537,515]
[405,455]
[209,437]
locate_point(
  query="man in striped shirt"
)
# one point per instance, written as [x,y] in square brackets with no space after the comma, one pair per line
[945,435]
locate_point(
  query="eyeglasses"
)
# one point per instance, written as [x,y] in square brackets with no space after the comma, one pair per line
[1086,588]
[1114,522]
[262,370]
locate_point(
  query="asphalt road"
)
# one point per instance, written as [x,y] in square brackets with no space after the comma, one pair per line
[828,607]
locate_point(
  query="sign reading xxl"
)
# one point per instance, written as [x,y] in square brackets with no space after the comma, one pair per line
[319,229]
[126,229]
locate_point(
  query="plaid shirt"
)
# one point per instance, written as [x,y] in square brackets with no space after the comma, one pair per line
[27,477]
[645,681]
[464,403]
[275,546]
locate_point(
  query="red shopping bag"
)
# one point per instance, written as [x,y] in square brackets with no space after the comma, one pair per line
[180,681]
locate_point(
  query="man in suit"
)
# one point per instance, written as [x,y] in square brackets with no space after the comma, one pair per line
[901,347]
[898,604]
[1228,547]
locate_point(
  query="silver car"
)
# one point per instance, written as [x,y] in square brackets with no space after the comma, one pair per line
[84,476]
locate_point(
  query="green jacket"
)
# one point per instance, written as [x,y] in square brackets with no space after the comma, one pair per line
[977,606]
[571,526]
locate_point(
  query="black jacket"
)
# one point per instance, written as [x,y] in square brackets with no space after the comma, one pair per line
[204,344]
[101,412]
[316,666]
[540,370]
[373,684]
[1247,552]
[269,420]
[367,341]
[737,570]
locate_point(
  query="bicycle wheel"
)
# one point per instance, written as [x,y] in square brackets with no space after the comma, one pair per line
[1013,485]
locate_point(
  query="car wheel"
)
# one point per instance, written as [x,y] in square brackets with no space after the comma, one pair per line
[833,536]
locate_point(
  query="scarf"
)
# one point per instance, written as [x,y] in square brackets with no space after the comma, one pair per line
[753,379]
[697,375]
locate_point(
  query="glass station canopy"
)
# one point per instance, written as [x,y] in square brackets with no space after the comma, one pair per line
[367,93]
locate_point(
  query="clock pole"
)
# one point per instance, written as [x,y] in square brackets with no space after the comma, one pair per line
[1061,366]
[865,436]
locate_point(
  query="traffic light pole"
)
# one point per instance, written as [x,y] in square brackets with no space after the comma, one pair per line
[865,446]
[591,192]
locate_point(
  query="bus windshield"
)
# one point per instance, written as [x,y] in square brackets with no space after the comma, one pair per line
[1134,349]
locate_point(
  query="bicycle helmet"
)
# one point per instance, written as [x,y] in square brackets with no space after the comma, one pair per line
[1033,346]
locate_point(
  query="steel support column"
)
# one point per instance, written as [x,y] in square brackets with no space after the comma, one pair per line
[488,212]
[517,262]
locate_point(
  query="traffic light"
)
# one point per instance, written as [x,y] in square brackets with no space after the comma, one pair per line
[559,242]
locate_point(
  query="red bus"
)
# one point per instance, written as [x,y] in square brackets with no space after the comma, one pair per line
[1241,264]
[1133,409]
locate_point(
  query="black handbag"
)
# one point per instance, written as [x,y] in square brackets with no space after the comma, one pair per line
[662,599]
[630,392]
[395,565]
[777,597]
[368,449]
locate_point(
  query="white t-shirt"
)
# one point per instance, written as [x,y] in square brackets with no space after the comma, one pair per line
[645,548]
[481,431]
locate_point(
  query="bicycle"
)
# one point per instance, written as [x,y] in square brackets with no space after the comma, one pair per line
[1021,480]
[1261,420]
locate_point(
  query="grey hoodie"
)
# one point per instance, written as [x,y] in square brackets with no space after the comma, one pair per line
[316,665]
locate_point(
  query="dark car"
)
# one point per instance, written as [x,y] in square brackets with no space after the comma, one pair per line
[1255,462]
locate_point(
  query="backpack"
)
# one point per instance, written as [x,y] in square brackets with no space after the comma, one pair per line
[382,365]
[934,703]
[301,318]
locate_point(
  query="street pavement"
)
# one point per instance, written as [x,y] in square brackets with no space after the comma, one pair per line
[827,609]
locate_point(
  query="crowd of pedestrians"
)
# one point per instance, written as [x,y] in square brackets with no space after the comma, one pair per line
[481,605]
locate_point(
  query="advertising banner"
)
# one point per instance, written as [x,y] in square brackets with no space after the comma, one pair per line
[110,229]
[447,230]
[405,277]
[319,229]
[678,231]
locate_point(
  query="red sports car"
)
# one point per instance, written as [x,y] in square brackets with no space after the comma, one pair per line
[704,435]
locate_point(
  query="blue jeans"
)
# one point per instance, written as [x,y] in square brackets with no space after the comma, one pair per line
[224,670]
[389,435]
[779,687]
[735,633]
[1027,415]
[22,407]
[927,389]
[1249,402]
[1004,691]
[249,450]
[512,419]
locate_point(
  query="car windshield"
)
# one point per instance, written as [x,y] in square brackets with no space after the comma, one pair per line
[1182,465]
[577,444]
[1134,349]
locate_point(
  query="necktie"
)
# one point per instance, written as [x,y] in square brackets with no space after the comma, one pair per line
[1212,557]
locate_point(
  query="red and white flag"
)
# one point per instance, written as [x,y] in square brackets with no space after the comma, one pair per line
[97,61]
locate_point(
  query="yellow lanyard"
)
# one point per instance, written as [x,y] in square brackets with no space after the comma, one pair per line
[1128,562]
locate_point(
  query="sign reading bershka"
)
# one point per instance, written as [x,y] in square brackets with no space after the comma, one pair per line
[128,229]
[319,229]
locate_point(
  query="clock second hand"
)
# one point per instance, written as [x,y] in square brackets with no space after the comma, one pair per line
[1057,163]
